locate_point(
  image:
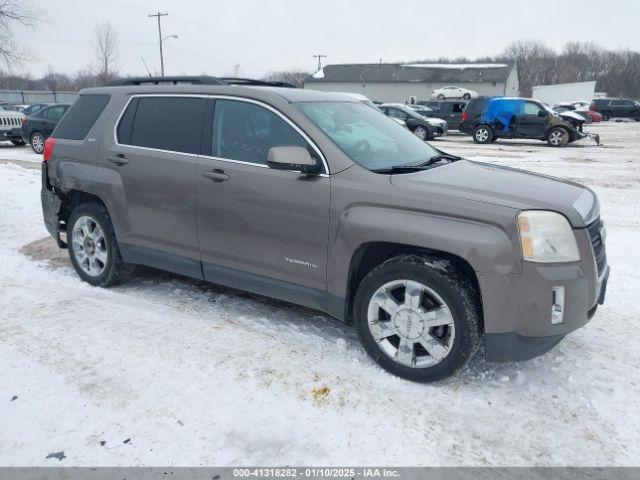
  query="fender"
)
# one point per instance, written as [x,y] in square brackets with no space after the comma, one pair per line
[486,247]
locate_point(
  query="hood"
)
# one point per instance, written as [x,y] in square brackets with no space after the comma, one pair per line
[505,187]
[435,121]
[10,113]
[573,115]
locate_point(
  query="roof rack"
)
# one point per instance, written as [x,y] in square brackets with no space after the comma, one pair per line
[255,83]
[201,80]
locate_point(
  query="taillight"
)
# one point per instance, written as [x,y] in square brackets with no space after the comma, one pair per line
[49,145]
[465,116]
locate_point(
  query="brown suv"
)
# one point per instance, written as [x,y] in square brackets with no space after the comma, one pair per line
[322,201]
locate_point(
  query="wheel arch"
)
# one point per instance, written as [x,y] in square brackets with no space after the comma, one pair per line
[570,131]
[371,254]
[72,199]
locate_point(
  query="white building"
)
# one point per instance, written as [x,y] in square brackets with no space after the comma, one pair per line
[397,82]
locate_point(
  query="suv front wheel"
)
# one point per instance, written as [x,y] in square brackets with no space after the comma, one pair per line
[558,137]
[418,317]
[93,248]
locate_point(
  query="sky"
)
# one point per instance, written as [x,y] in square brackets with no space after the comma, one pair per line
[253,37]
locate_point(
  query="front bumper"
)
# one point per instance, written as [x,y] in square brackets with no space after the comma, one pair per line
[13,134]
[519,309]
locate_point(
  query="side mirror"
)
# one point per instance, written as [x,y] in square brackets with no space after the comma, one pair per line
[542,113]
[292,158]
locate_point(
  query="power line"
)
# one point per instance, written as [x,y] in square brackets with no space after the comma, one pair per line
[158,16]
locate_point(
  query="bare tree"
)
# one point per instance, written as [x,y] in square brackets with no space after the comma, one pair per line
[12,12]
[535,61]
[106,44]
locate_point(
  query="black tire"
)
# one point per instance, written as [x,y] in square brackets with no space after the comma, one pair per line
[19,143]
[466,96]
[451,285]
[115,270]
[441,97]
[494,139]
[558,137]
[482,134]
[37,142]
[423,133]
[606,117]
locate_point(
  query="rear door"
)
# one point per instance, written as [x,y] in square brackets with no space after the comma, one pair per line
[51,118]
[155,156]
[260,229]
[529,123]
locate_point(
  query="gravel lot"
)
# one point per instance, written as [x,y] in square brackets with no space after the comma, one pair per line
[168,371]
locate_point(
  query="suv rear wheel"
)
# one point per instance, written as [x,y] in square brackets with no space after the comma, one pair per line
[482,134]
[558,137]
[606,117]
[37,142]
[417,317]
[93,248]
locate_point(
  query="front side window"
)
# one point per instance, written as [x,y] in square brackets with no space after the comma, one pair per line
[245,132]
[163,123]
[531,108]
[367,137]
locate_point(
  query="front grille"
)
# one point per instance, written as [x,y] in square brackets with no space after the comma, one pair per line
[595,230]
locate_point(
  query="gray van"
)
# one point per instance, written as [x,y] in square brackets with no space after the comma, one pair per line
[320,200]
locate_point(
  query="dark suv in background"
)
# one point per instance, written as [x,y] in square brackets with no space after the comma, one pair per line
[487,119]
[320,200]
[616,107]
[448,110]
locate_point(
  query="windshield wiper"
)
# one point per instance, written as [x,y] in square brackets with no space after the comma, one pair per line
[400,168]
[440,156]
[419,166]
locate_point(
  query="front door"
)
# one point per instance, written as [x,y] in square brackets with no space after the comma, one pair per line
[532,121]
[260,229]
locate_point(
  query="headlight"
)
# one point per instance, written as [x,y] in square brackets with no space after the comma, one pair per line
[547,237]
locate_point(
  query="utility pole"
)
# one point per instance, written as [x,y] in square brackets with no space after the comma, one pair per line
[319,57]
[159,15]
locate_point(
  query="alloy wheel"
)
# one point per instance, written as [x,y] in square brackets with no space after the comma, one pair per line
[411,323]
[89,246]
[556,138]
[482,135]
[37,143]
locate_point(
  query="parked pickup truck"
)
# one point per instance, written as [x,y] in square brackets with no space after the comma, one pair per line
[318,199]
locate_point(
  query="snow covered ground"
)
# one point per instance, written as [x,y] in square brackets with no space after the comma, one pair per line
[168,371]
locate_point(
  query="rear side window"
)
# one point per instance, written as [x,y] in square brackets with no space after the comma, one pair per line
[475,106]
[81,117]
[163,123]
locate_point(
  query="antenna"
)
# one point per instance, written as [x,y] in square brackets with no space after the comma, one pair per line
[145,66]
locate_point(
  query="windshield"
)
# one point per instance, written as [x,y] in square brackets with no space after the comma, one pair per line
[368,137]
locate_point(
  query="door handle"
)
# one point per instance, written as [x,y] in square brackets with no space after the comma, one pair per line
[118,159]
[216,175]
